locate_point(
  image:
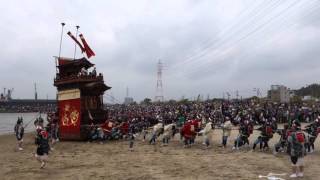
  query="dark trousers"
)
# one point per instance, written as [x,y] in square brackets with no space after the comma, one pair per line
[165,140]
[153,139]
[224,140]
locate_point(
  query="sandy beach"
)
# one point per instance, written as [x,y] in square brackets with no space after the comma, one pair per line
[112,160]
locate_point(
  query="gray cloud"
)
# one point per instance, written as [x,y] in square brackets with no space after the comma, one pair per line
[207,47]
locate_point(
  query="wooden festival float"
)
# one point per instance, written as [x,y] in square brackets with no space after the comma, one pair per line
[80,94]
[80,98]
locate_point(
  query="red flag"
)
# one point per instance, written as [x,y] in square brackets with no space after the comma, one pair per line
[75,39]
[87,49]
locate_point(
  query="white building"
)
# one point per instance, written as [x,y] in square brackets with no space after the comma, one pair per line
[279,93]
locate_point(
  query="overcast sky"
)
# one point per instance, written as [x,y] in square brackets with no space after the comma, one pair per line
[207,47]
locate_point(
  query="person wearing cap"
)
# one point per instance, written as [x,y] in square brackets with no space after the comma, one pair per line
[226,131]
[19,132]
[297,149]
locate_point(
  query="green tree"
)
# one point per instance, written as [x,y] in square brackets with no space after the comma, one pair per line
[146,101]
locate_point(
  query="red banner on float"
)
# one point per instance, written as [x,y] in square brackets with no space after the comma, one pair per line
[69,104]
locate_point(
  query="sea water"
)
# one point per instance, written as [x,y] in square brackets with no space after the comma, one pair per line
[8,121]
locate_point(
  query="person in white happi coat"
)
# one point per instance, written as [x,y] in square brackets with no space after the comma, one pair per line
[226,131]
[168,132]
[157,130]
[207,133]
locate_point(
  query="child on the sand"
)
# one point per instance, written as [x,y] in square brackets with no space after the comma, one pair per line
[43,146]
[19,132]
[297,150]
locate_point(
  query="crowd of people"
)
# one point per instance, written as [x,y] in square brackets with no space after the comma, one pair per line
[7,107]
[222,114]
[199,119]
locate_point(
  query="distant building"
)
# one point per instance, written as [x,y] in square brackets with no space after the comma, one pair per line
[279,93]
[128,100]
[307,98]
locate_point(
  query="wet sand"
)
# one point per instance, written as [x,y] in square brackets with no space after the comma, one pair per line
[112,160]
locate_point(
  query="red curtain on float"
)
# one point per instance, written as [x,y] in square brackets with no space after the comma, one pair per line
[70,118]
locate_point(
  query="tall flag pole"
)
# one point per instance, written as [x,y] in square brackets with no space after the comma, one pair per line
[76,41]
[62,26]
[75,44]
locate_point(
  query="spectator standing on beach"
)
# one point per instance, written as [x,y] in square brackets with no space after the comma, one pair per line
[312,130]
[19,132]
[54,133]
[226,131]
[297,150]
[131,136]
[42,142]
[38,123]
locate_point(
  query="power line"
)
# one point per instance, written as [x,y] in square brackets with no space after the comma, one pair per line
[235,29]
[228,40]
[207,69]
[254,31]
[208,42]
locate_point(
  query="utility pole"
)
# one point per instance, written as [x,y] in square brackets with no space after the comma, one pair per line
[257,90]
[35,92]
[237,94]
[127,92]
[228,94]
[159,90]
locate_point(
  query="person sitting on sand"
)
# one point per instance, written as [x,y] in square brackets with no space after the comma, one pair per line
[19,132]
[42,142]
[297,150]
